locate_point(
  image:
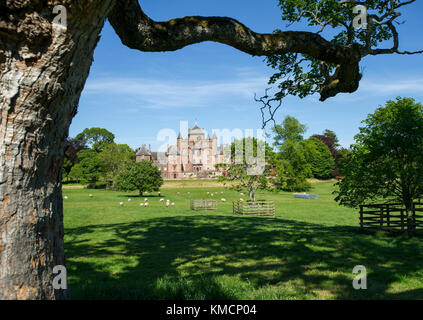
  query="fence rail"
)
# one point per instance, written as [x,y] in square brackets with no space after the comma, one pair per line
[256,208]
[204,204]
[391,217]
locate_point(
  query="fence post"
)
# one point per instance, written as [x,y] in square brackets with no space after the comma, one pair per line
[361,216]
[381,218]
[402,220]
[388,218]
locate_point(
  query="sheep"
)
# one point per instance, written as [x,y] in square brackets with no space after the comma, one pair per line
[142,204]
[146,199]
[223,200]
[161,200]
[66,197]
[129,200]
[241,194]
[90,195]
[172,204]
[146,204]
[240,199]
[208,192]
[121,204]
[167,204]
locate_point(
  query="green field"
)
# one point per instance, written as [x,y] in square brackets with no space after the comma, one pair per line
[307,252]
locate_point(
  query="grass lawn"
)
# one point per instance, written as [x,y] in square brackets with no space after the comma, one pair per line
[307,252]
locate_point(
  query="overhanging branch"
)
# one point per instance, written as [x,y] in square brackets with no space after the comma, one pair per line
[137,31]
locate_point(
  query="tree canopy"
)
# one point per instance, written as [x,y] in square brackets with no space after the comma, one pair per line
[142,176]
[386,161]
[95,138]
[319,157]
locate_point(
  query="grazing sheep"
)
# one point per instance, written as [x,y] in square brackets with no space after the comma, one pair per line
[90,195]
[208,192]
[223,200]
[241,199]
[66,197]
[146,204]
[241,194]
[161,200]
[188,192]
[167,204]
[142,204]
[129,200]
[178,192]
[121,204]
[146,199]
[172,204]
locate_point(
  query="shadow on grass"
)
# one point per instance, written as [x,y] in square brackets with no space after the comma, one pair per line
[189,257]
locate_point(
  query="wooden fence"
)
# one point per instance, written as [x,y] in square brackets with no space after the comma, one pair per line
[204,204]
[257,208]
[390,217]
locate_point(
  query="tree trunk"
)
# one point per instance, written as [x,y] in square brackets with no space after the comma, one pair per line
[42,74]
[411,219]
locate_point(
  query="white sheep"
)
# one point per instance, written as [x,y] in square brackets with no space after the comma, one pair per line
[161,200]
[146,199]
[240,199]
[167,204]
[90,195]
[241,194]
[121,204]
[142,204]
[66,197]
[146,204]
[223,200]
[172,204]
[129,200]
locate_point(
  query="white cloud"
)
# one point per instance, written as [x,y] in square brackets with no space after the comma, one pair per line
[387,86]
[163,94]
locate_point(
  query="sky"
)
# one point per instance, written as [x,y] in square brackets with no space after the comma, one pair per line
[140,96]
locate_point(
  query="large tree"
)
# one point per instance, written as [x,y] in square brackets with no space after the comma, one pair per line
[44,64]
[142,176]
[291,161]
[386,162]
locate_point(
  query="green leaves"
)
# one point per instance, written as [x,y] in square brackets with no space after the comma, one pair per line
[95,138]
[142,176]
[386,161]
[301,75]
[319,157]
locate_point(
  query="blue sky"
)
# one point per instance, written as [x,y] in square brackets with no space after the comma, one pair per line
[136,94]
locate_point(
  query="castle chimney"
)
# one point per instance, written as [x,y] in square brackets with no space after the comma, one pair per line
[149,149]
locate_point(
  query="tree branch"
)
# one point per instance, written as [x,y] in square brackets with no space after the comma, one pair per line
[137,31]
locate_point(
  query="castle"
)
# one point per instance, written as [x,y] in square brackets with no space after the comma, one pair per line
[193,156]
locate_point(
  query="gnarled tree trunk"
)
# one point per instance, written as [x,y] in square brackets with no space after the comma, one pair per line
[42,73]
